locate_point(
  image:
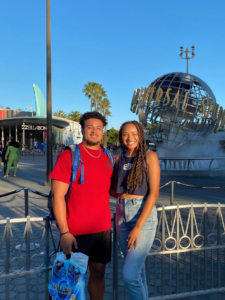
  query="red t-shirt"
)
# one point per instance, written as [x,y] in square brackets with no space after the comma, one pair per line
[88,209]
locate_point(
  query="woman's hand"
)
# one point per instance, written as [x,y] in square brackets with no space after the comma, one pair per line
[133,237]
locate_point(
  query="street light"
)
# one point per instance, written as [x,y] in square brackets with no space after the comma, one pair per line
[187,54]
[30,107]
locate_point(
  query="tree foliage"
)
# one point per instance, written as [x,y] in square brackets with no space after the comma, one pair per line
[112,136]
[74,116]
[89,90]
[98,97]
[60,114]
[99,101]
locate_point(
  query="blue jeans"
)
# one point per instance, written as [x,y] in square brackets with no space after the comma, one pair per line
[127,214]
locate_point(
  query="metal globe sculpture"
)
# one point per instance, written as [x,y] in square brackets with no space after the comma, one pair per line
[177,108]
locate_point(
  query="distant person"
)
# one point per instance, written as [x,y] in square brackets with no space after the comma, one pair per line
[3,157]
[23,150]
[12,155]
[1,149]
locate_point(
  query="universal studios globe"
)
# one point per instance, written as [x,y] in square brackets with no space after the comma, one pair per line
[176,109]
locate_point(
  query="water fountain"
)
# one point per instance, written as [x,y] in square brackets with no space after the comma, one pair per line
[207,166]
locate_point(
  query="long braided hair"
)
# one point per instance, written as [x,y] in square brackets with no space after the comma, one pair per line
[137,173]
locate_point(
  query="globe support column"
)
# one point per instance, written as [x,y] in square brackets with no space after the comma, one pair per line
[49,97]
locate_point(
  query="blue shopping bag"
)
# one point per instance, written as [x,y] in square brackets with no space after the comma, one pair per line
[68,277]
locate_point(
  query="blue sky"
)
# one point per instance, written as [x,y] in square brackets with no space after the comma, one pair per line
[122,45]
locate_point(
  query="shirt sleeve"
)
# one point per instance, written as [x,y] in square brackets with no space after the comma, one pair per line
[63,167]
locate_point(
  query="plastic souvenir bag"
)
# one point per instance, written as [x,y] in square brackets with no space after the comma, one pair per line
[68,277]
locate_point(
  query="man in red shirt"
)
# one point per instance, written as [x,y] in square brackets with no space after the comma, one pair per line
[84,219]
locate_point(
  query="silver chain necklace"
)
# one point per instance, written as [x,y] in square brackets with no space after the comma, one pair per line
[91,154]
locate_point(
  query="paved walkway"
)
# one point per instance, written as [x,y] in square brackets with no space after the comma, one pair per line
[32,174]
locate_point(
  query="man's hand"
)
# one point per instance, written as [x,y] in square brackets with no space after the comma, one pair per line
[133,238]
[66,242]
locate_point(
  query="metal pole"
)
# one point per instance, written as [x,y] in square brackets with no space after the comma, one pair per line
[49,96]
[26,202]
[3,144]
[115,260]
[171,202]
[10,133]
[218,244]
[178,247]
[47,226]
[192,248]
[187,65]
[28,257]
[24,135]
[163,249]
[205,244]
[7,258]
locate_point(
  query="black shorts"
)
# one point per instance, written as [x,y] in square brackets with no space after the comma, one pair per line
[97,246]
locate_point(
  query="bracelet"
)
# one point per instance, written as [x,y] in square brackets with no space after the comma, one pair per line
[64,233]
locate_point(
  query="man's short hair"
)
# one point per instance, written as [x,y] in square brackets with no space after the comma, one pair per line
[92,115]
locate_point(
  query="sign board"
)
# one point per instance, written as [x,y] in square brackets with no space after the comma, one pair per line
[32,127]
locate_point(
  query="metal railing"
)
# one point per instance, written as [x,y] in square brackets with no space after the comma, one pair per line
[187,257]
[188,159]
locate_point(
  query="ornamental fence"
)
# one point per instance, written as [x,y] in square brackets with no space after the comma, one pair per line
[187,257]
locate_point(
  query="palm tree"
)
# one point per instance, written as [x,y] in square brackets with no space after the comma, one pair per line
[105,105]
[89,89]
[74,116]
[60,114]
[7,107]
[98,92]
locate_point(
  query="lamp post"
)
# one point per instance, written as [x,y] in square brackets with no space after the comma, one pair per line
[30,107]
[187,54]
[49,96]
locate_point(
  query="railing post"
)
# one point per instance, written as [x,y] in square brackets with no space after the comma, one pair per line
[210,164]
[192,247]
[219,215]
[26,202]
[188,164]
[163,249]
[28,257]
[7,262]
[178,248]
[205,244]
[47,226]
[115,260]
[171,202]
